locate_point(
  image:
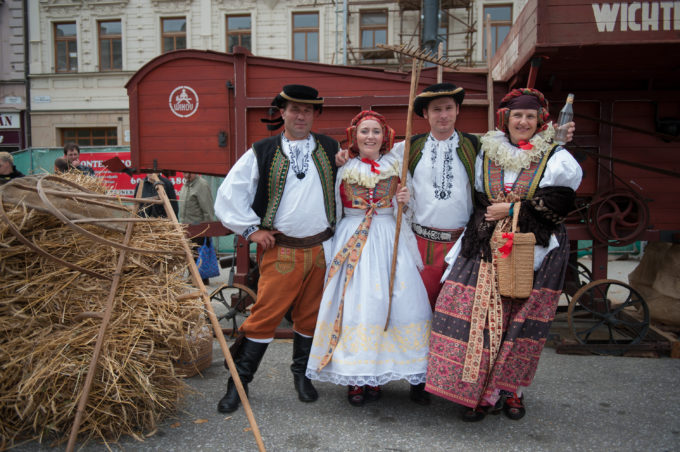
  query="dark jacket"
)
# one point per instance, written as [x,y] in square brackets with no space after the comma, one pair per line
[4,178]
[149,191]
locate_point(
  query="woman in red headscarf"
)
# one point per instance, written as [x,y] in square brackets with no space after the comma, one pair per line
[351,344]
[484,347]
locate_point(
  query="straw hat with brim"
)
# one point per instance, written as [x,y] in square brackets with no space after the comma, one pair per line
[297,93]
[435,92]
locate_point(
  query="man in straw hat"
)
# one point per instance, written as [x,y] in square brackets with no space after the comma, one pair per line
[280,195]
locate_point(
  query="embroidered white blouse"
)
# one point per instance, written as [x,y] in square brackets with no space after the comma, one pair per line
[440,186]
[301,212]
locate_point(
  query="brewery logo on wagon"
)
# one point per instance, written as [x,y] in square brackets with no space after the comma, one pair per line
[183,101]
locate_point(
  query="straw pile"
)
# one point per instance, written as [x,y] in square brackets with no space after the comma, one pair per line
[47,342]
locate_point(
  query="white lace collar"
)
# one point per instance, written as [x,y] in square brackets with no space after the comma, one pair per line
[357,172]
[498,148]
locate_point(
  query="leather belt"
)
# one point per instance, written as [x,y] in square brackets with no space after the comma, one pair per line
[437,235]
[303,242]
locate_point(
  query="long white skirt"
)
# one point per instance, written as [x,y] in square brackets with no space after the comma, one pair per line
[365,354]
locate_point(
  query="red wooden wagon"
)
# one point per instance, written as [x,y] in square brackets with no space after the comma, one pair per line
[199,111]
[621,62]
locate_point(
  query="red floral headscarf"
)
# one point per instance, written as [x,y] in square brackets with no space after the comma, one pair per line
[516,99]
[388,132]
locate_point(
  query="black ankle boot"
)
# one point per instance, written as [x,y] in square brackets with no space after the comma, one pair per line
[247,359]
[303,385]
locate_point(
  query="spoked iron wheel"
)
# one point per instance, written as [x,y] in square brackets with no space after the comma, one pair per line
[618,217]
[578,275]
[236,298]
[609,313]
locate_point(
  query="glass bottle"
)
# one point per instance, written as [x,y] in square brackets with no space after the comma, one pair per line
[566,116]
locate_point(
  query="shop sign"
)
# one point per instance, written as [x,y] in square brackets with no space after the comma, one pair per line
[10,121]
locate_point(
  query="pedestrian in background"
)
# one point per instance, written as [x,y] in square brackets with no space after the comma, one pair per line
[196,205]
[7,169]
[72,154]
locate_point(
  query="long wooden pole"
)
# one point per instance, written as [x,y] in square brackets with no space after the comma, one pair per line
[440,69]
[82,402]
[489,78]
[196,277]
[415,75]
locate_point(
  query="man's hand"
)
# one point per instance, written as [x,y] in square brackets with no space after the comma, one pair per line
[264,238]
[497,211]
[341,157]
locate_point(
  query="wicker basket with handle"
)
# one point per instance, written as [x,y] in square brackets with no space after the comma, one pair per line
[516,270]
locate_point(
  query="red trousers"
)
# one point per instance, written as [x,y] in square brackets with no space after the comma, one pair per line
[288,277]
[433,254]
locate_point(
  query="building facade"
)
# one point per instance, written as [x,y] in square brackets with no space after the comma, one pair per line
[82,52]
[13,116]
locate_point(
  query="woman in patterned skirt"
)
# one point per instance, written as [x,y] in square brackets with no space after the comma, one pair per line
[485,348]
[352,345]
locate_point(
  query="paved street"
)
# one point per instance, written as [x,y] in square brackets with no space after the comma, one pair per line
[576,403]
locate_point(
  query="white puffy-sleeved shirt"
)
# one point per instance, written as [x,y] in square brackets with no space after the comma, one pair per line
[441,192]
[301,212]
[561,170]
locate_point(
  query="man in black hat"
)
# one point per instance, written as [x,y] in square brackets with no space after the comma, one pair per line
[281,195]
[442,167]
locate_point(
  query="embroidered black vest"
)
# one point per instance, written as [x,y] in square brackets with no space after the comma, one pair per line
[468,147]
[273,166]
[527,181]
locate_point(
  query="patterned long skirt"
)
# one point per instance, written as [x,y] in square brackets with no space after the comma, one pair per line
[525,330]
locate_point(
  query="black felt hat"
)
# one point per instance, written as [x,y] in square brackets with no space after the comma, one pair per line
[291,93]
[297,93]
[436,91]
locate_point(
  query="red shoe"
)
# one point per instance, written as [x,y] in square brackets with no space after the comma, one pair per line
[372,393]
[355,395]
[514,407]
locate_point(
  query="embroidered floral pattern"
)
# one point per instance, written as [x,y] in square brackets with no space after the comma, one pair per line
[525,328]
[442,159]
[299,154]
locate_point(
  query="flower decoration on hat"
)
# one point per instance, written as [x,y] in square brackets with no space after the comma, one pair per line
[388,132]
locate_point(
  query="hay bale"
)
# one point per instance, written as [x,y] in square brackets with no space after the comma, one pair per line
[49,333]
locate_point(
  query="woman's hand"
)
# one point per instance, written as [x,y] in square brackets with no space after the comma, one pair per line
[497,211]
[571,128]
[403,194]
[341,157]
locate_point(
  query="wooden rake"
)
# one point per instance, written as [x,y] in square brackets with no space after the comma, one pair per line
[419,56]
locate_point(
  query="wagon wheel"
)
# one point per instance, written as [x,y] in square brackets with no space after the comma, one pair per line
[576,277]
[618,217]
[596,317]
[236,298]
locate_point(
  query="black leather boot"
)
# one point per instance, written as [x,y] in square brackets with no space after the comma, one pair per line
[303,385]
[247,359]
